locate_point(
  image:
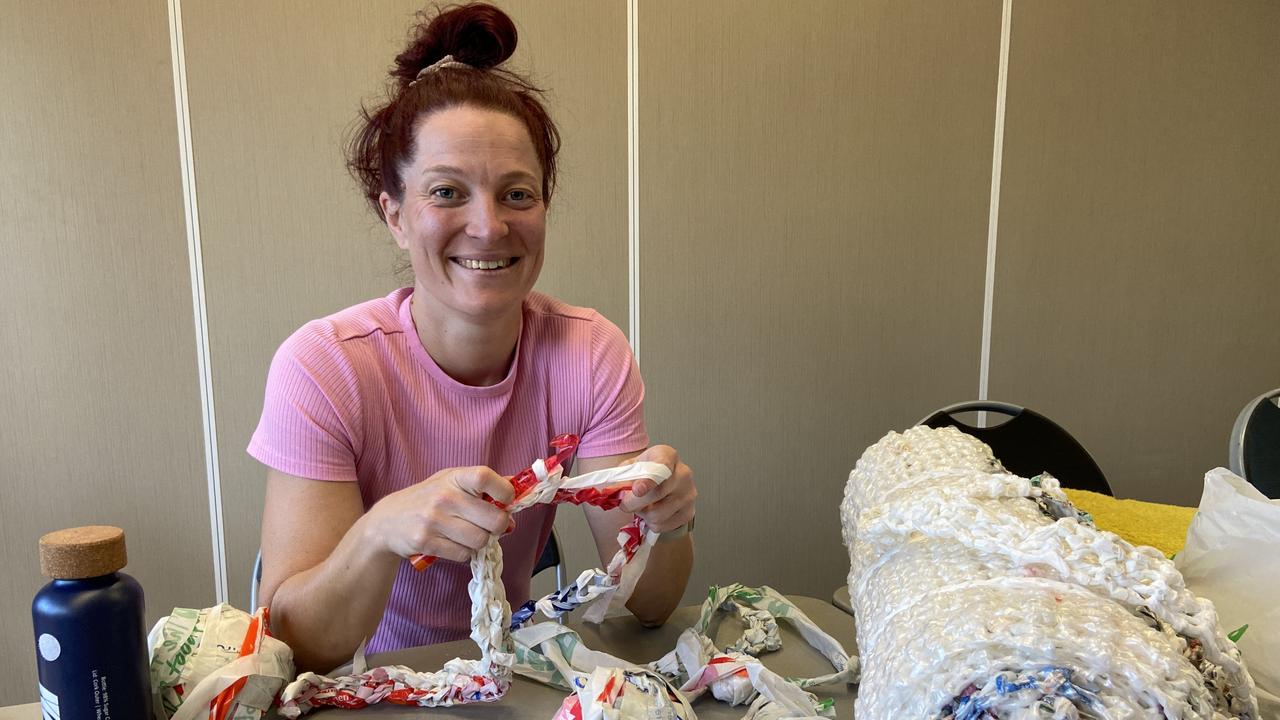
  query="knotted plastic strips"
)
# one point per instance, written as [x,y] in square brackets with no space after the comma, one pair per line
[487,679]
[601,686]
[555,655]
[736,676]
[602,489]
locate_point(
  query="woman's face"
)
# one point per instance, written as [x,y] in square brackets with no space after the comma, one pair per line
[472,217]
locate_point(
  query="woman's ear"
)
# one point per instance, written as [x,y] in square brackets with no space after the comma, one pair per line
[391,213]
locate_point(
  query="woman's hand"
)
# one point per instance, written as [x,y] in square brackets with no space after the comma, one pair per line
[668,505]
[444,515]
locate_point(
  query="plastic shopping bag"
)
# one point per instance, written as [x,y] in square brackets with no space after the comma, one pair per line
[219,663]
[1232,557]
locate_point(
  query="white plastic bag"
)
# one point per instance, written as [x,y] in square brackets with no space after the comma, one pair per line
[1232,557]
[219,663]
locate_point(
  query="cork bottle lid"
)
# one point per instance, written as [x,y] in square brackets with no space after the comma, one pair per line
[82,552]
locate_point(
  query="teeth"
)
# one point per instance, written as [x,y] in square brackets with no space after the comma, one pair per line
[483,264]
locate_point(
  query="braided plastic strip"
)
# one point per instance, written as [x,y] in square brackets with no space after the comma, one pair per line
[555,655]
[600,685]
[760,609]
[735,676]
[634,540]
[487,679]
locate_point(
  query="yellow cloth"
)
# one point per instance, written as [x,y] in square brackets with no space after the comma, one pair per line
[1163,527]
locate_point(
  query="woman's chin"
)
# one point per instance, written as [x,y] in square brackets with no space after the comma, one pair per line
[492,307]
[477,304]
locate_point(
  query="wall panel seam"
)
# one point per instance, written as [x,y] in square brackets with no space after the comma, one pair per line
[633,179]
[195,259]
[993,216]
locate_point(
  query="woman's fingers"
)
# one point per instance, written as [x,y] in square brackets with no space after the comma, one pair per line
[480,481]
[446,515]
[456,537]
[674,510]
[644,494]
[667,505]
[465,533]
[661,516]
[429,538]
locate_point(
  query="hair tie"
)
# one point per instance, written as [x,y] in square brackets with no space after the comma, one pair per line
[445,62]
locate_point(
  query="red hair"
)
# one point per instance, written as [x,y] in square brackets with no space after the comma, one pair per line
[478,35]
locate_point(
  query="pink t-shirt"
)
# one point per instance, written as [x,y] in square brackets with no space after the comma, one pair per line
[355,397]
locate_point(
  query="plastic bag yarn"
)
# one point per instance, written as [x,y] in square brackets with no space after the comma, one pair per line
[603,489]
[759,610]
[218,663]
[601,686]
[555,655]
[1232,557]
[983,594]
[487,679]
[736,676]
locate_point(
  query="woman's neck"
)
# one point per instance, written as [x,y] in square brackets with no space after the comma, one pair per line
[473,352]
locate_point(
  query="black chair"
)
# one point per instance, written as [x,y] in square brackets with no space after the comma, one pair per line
[551,557]
[1254,450]
[255,582]
[1028,444]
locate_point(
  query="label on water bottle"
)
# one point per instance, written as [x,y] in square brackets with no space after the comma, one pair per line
[49,646]
[101,696]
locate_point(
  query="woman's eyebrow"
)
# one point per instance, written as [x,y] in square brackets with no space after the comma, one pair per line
[451,171]
[442,170]
[517,175]
[456,171]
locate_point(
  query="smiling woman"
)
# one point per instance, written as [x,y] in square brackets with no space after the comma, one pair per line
[385,424]
[473,220]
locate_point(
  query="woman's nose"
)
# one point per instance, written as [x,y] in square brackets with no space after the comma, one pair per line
[485,221]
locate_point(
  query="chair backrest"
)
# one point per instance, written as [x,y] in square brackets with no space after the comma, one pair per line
[1254,449]
[255,581]
[1028,444]
[551,557]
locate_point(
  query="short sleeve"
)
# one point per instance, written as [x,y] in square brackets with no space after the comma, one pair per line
[616,424]
[310,409]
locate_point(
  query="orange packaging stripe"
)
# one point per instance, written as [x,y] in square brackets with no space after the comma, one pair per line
[220,706]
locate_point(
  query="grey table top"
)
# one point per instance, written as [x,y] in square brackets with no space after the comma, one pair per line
[621,636]
[625,638]
[841,599]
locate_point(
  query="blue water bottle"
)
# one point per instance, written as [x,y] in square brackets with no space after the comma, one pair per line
[91,645]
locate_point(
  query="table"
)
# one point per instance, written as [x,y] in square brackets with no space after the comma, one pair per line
[625,638]
[621,636]
[841,599]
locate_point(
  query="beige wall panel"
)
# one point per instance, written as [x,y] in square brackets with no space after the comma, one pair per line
[813,203]
[101,420]
[1139,245]
[274,86]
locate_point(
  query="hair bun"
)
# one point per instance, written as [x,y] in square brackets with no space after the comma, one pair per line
[477,34]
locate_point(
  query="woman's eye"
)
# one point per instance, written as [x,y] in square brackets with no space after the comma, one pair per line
[520,196]
[445,193]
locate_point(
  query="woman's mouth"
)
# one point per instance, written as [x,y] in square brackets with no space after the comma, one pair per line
[486,265]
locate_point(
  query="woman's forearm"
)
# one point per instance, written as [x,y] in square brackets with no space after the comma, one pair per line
[323,613]
[660,588]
